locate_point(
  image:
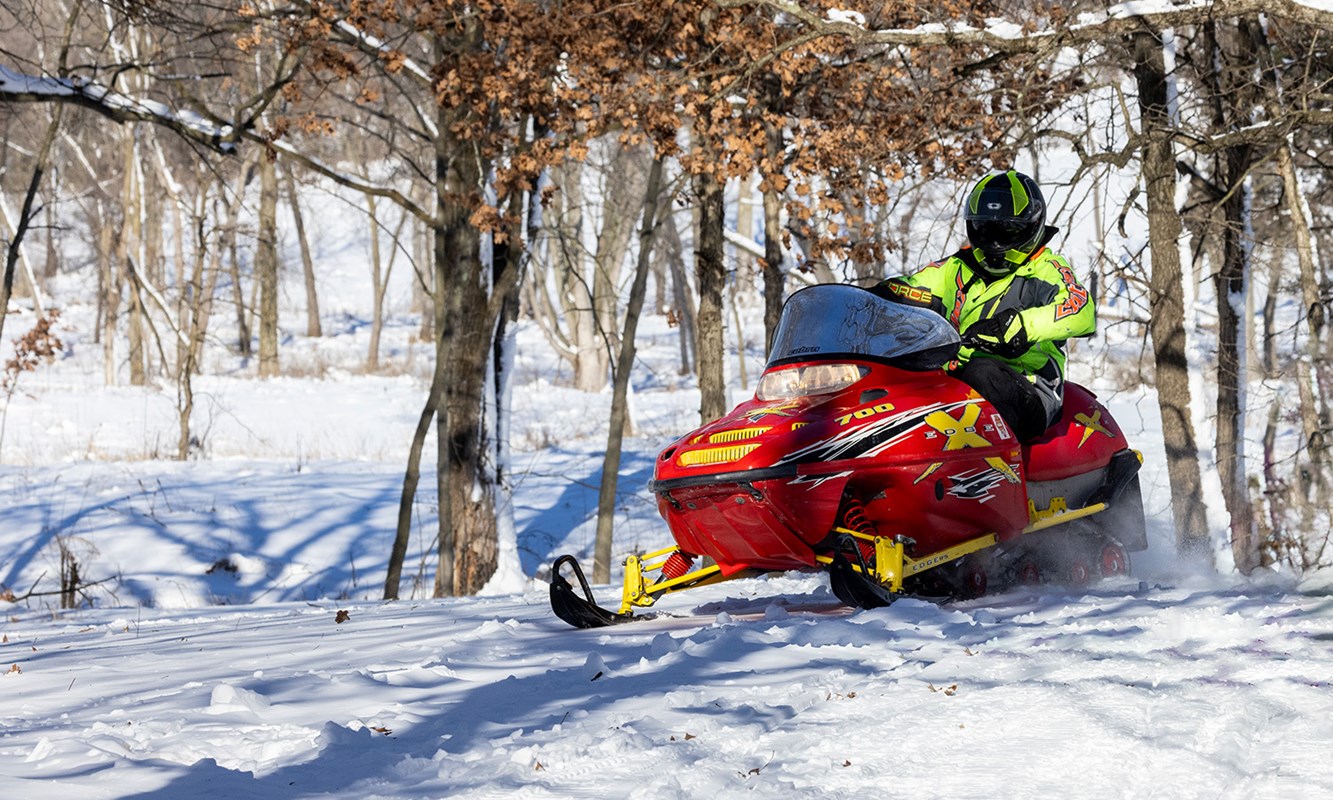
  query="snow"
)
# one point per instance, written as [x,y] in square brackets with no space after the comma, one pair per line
[217,664]
[233,644]
[1192,689]
[12,82]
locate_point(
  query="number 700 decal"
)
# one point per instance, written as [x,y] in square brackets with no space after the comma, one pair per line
[862,413]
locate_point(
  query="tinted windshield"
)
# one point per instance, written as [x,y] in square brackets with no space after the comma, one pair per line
[839,320]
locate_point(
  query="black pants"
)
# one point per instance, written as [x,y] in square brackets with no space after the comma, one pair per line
[1029,407]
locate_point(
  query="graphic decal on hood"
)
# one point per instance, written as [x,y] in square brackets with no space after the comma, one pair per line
[880,433]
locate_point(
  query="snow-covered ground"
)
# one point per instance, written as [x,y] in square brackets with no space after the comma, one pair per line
[231,643]
[1134,689]
[213,662]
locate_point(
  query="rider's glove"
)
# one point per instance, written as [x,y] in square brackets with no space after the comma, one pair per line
[1002,335]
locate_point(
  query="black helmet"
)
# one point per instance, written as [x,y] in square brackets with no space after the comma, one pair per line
[1005,212]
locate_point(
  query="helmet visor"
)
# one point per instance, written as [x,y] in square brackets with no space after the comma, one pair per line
[1000,234]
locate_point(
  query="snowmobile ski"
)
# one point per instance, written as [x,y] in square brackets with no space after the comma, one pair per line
[581,612]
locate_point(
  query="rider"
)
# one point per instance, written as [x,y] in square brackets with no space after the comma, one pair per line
[1014,300]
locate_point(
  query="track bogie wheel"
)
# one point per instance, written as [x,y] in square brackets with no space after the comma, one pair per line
[1113,560]
[972,582]
[1027,572]
[1079,572]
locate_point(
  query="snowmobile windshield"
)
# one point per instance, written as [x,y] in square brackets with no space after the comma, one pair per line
[840,321]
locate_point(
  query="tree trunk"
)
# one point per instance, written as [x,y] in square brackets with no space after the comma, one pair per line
[590,359]
[509,263]
[745,263]
[412,478]
[467,528]
[130,236]
[150,235]
[423,283]
[25,219]
[1312,371]
[1231,288]
[774,274]
[137,351]
[266,266]
[1167,325]
[313,327]
[620,201]
[710,273]
[606,496]
[377,282]
[230,235]
[680,292]
[470,536]
[110,297]
[194,322]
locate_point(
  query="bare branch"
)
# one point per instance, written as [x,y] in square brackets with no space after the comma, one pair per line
[1088,28]
[16,87]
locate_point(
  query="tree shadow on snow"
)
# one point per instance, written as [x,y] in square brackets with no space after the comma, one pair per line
[545,532]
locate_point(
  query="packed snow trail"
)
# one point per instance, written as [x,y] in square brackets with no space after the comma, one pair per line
[1201,689]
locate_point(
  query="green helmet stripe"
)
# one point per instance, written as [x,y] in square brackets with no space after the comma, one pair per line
[1020,194]
[975,198]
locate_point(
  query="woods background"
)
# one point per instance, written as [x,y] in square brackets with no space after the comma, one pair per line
[573,165]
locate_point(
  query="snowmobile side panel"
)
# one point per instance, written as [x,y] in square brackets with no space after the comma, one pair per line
[1083,440]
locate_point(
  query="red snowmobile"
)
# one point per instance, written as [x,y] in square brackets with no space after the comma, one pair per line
[860,455]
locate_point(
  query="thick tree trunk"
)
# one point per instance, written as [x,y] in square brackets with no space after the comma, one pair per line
[1167,325]
[711,275]
[470,535]
[467,530]
[1230,94]
[508,273]
[606,497]
[266,267]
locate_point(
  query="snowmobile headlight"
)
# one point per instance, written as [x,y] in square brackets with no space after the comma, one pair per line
[813,379]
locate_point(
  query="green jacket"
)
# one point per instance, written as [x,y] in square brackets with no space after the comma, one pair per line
[1052,303]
